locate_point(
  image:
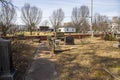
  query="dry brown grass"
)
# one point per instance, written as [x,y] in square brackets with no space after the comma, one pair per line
[23,51]
[87,59]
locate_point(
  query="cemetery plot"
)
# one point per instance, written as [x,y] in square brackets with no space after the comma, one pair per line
[87,59]
[94,60]
[73,62]
[54,44]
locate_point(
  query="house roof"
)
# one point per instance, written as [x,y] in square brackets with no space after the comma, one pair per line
[44,26]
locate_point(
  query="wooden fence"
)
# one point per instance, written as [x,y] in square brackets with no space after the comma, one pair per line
[76,36]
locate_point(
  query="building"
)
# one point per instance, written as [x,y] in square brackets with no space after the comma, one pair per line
[67,29]
[44,28]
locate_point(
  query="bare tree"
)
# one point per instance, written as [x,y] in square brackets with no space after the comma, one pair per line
[85,26]
[100,23]
[45,23]
[31,16]
[8,16]
[79,17]
[118,22]
[84,11]
[76,19]
[6,3]
[56,18]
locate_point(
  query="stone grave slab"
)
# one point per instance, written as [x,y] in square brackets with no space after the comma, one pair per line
[6,66]
[69,40]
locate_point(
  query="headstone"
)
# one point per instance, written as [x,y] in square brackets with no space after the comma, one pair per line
[49,41]
[117,45]
[69,40]
[6,67]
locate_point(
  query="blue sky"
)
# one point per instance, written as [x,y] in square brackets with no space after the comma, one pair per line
[104,7]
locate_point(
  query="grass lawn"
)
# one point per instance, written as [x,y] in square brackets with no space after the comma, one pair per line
[88,59]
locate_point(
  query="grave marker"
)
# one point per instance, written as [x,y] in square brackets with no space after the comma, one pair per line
[117,45]
[69,40]
[6,67]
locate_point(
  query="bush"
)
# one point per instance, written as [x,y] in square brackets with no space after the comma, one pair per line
[59,34]
[109,37]
[20,36]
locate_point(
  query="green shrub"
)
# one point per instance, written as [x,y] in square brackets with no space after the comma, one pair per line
[59,34]
[109,37]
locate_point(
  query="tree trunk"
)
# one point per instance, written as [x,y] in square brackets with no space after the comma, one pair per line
[79,33]
[4,30]
[55,33]
[91,29]
[30,32]
[4,33]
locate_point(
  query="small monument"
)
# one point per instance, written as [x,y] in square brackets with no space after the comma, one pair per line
[6,67]
[117,45]
[69,40]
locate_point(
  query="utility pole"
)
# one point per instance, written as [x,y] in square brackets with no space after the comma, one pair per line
[91,27]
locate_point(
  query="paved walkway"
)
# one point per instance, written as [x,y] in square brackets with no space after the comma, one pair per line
[43,67]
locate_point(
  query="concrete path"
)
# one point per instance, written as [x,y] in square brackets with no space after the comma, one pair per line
[43,67]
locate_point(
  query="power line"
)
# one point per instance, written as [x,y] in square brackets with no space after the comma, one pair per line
[81,17]
[83,2]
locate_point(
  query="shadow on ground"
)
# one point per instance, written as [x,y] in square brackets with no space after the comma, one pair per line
[74,66]
[23,52]
[41,69]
